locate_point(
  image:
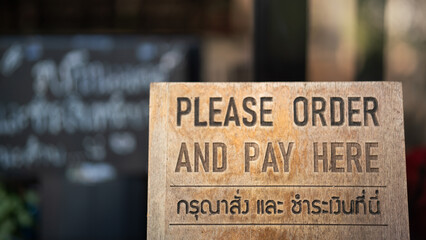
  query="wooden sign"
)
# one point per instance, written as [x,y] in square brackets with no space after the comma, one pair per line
[277,161]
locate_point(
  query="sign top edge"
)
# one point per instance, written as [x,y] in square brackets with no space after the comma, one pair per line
[397,83]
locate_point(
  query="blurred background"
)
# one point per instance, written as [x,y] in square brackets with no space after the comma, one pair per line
[74,90]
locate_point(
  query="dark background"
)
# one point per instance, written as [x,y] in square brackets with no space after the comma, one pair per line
[96,188]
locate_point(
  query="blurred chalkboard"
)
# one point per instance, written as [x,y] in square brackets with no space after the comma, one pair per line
[72,101]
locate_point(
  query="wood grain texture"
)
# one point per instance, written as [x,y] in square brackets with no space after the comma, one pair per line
[213,145]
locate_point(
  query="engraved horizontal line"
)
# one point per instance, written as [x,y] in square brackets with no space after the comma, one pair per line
[278,186]
[280,224]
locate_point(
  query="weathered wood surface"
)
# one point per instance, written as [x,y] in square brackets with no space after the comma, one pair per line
[206,146]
